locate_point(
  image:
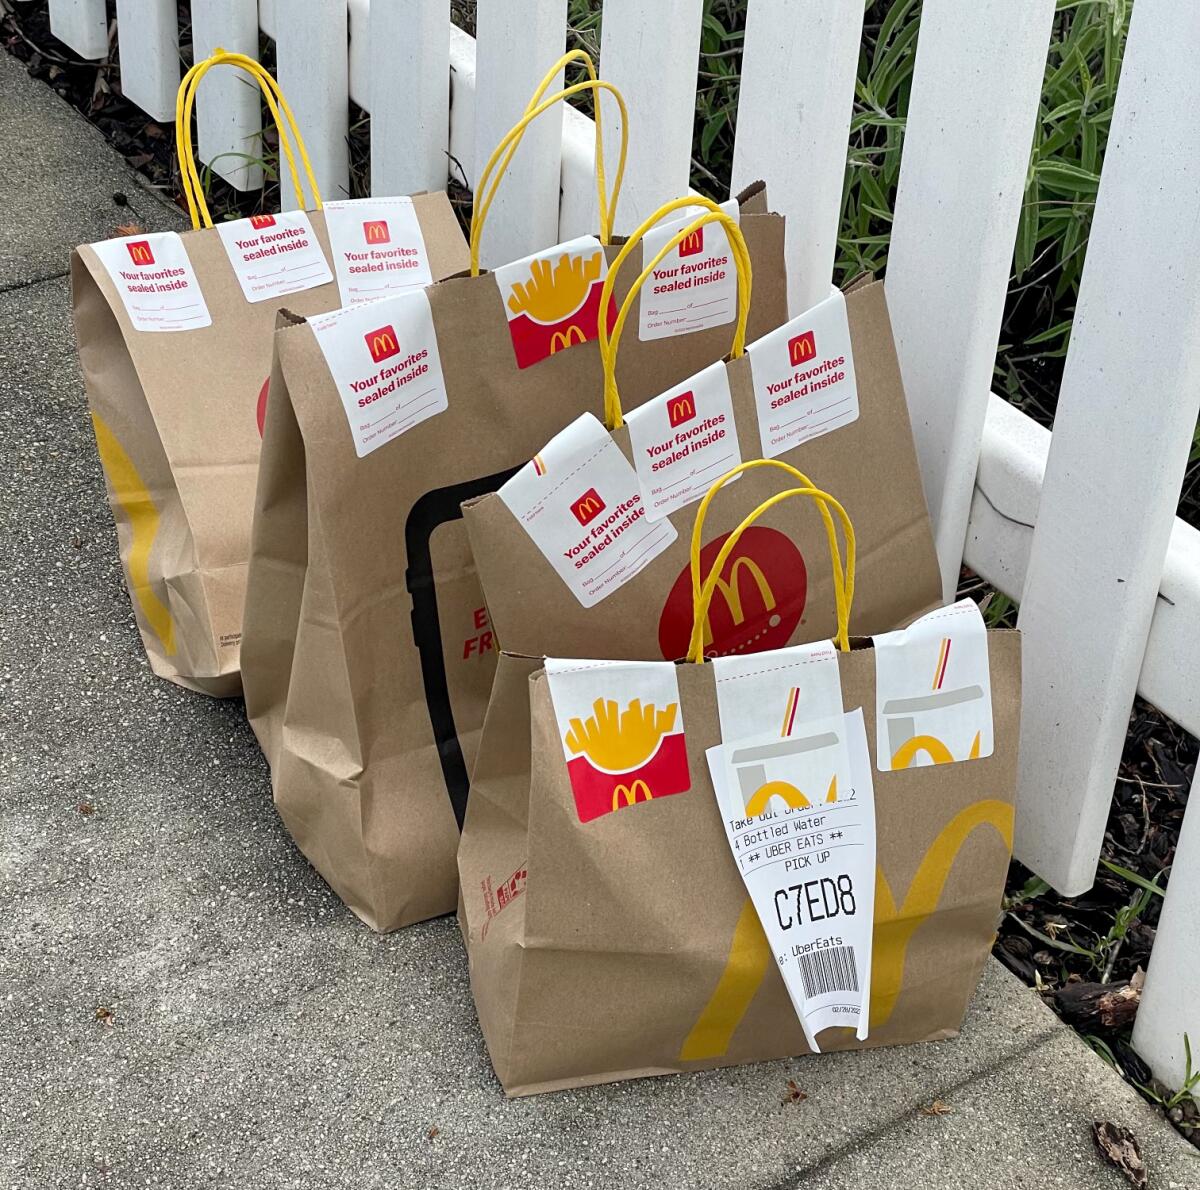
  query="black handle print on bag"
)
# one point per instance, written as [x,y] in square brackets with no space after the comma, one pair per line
[435,508]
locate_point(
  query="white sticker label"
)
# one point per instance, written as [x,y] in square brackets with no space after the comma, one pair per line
[799,813]
[273,255]
[580,503]
[156,281]
[684,441]
[933,690]
[695,285]
[786,687]
[377,247]
[803,376]
[384,360]
[622,732]
[552,299]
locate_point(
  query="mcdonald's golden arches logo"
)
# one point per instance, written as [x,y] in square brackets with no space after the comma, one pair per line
[375,231]
[139,252]
[587,507]
[757,602]
[693,244]
[561,340]
[258,222]
[681,408]
[382,343]
[802,348]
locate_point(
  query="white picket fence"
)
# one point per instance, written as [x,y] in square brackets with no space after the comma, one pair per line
[1079,526]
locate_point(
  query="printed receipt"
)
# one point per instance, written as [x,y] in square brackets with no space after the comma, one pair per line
[799,813]
[684,441]
[383,357]
[155,281]
[579,501]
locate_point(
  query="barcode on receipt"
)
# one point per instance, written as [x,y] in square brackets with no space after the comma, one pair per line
[831,970]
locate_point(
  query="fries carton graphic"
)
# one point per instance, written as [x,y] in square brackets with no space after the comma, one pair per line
[625,756]
[757,604]
[552,300]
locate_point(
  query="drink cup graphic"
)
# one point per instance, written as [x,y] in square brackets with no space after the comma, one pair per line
[906,741]
[753,765]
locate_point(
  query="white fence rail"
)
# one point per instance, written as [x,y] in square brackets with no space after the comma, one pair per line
[1079,526]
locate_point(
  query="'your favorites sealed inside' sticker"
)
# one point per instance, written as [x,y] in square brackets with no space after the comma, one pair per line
[552,298]
[933,690]
[383,357]
[155,281]
[695,285]
[621,728]
[579,502]
[378,248]
[274,255]
[683,441]
[803,377]
[799,815]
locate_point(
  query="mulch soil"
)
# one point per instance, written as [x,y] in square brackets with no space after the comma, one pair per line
[1082,952]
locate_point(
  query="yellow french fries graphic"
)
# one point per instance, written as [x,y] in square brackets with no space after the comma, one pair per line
[620,741]
[555,290]
[750,954]
[138,506]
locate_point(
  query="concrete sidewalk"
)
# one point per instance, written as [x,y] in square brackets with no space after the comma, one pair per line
[260,1036]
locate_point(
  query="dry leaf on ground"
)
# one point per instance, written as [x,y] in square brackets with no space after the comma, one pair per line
[1118,1146]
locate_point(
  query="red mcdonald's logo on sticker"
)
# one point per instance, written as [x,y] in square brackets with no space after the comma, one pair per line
[382,343]
[692,243]
[681,408]
[561,340]
[587,507]
[802,348]
[139,252]
[375,231]
[259,221]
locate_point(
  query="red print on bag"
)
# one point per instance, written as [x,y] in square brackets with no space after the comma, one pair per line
[139,252]
[261,409]
[757,602]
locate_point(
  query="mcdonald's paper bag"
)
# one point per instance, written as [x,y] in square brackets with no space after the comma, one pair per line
[369,654]
[174,335]
[571,563]
[613,932]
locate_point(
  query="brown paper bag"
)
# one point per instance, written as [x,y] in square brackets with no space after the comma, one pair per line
[369,656]
[768,595]
[625,944]
[178,416]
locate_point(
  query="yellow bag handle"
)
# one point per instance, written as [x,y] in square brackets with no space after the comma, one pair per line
[280,112]
[843,579]
[503,152]
[613,415]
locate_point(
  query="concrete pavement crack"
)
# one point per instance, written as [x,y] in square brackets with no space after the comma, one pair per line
[18,285]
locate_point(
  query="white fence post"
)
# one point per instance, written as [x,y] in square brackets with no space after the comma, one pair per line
[1122,432]
[795,136]
[651,52]
[312,56]
[148,39]
[975,93]
[517,41]
[409,59]
[81,24]
[1174,971]
[228,104]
